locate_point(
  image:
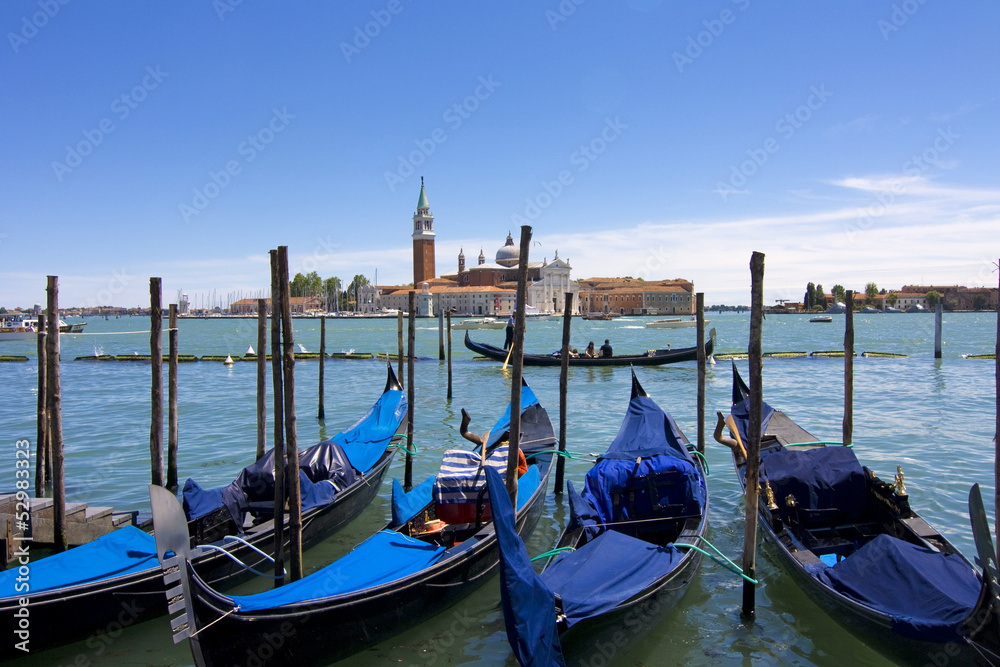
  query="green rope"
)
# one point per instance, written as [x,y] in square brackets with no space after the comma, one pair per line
[728,564]
[703,460]
[414,452]
[551,552]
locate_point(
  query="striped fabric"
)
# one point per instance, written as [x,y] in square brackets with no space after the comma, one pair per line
[462,474]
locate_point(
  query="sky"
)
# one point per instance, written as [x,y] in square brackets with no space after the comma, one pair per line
[850,142]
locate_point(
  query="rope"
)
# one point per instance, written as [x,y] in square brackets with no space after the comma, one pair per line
[728,564]
[231,611]
[552,552]
[703,460]
[402,436]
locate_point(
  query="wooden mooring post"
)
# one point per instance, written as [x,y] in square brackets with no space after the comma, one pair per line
[291,438]
[53,411]
[261,377]
[937,330]
[399,347]
[411,340]
[322,366]
[279,424]
[848,430]
[440,335]
[517,361]
[172,397]
[156,388]
[996,428]
[702,366]
[43,457]
[448,325]
[753,434]
[563,387]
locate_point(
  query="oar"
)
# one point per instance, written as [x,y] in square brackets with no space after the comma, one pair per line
[509,350]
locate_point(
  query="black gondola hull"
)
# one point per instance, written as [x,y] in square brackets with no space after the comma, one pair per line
[656,358]
[324,631]
[87,612]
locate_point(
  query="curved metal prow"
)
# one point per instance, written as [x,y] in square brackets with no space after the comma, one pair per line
[637,389]
[169,523]
[740,388]
[173,547]
[989,598]
[391,383]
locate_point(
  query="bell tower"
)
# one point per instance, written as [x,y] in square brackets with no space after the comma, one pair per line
[423,240]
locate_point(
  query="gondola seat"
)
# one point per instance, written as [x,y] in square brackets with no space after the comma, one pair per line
[828,484]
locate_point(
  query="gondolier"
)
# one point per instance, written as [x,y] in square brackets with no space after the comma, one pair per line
[510,332]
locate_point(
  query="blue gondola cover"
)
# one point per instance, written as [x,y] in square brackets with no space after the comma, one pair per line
[528,604]
[384,557]
[606,572]
[406,505]
[365,441]
[927,593]
[125,551]
[822,478]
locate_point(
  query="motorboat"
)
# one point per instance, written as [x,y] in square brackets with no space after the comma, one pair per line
[674,323]
[480,323]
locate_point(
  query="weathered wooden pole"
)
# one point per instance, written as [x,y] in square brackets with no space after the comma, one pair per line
[156,389]
[996,428]
[702,366]
[279,423]
[517,359]
[261,377]
[291,438]
[172,397]
[937,330]
[848,434]
[322,366]
[753,433]
[563,387]
[440,334]
[411,339]
[43,458]
[53,409]
[448,315]
[399,347]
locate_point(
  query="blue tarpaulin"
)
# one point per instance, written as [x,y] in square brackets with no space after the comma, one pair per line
[502,426]
[822,478]
[406,505]
[124,551]
[927,593]
[607,571]
[528,604]
[365,441]
[384,557]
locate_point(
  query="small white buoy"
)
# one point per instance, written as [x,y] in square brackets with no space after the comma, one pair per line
[228,361]
[250,350]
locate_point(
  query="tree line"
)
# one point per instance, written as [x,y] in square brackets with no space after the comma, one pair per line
[815,297]
[331,290]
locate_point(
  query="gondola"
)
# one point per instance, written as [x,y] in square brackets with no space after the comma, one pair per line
[117,581]
[648,358]
[622,559]
[856,547]
[438,548]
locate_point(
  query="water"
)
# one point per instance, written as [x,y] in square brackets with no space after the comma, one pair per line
[934,417]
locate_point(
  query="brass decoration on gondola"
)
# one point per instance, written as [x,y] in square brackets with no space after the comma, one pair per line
[900,486]
[769,496]
[790,501]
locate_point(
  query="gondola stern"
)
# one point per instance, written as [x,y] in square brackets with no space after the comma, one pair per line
[982,627]
[391,381]
[637,389]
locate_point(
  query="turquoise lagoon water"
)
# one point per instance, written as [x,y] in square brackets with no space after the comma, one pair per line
[935,417]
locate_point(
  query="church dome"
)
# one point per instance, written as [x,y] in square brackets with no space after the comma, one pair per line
[509,254]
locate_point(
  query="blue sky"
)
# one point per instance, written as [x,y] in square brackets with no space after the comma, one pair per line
[851,142]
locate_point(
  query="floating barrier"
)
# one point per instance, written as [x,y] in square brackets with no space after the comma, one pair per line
[883,354]
[979,356]
[7,358]
[352,355]
[829,353]
[181,358]
[784,355]
[726,356]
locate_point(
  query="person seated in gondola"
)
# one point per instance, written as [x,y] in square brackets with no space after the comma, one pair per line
[590,353]
[573,353]
[606,350]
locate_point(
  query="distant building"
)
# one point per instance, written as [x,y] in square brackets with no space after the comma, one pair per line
[300,305]
[630,296]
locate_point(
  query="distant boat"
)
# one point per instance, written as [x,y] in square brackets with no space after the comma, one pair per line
[890,309]
[916,308]
[17,330]
[480,323]
[869,309]
[600,316]
[63,326]
[821,318]
[674,323]
[837,307]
